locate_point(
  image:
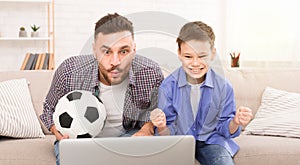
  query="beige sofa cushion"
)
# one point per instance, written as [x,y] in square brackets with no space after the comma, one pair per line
[267,150]
[38,151]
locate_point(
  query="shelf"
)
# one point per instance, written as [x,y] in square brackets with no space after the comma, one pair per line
[24,38]
[16,13]
[34,1]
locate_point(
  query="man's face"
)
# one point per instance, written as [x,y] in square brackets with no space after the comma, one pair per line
[195,57]
[114,53]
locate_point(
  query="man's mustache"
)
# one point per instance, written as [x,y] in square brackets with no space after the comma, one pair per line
[114,68]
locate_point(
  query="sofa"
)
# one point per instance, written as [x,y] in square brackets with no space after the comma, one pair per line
[30,151]
[248,84]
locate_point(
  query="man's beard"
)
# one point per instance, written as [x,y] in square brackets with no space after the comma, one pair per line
[109,80]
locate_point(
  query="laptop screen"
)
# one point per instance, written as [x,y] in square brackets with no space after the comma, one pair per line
[142,150]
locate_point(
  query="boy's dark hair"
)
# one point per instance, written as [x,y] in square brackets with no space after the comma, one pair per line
[113,23]
[196,31]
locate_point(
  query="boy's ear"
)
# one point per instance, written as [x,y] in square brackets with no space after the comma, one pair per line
[179,54]
[213,54]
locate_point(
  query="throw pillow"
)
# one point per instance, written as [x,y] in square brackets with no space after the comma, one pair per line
[278,114]
[17,115]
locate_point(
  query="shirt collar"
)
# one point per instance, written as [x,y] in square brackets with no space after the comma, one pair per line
[182,81]
[132,79]
[96,73]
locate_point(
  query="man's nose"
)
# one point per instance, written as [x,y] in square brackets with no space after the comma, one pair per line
[115,60]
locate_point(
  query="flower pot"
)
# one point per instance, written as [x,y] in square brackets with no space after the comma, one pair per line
[22,34]
[34,34]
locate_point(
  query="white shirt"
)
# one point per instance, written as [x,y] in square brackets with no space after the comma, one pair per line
[113,99]
[195,97]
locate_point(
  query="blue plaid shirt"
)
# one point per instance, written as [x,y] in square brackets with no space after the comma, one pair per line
[216,109]
[81,73]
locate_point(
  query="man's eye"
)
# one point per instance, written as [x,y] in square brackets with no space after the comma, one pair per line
[187,56]
[124,51]
[106,51]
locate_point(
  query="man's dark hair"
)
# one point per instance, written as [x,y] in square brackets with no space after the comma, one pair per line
[113,23]
[196,31]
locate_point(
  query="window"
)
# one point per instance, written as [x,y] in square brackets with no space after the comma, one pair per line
[264,30]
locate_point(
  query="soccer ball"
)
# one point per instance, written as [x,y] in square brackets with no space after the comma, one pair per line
[79,114]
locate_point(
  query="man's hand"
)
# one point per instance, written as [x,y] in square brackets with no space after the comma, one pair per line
[158,118]
[243,116]
[57,134]
[146,130]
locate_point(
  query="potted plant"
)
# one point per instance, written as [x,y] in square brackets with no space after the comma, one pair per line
[22,32]
[35,32]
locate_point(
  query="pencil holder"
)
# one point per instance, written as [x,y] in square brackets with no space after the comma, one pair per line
[235,59]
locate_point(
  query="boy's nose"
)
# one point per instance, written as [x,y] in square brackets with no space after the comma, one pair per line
[196,61]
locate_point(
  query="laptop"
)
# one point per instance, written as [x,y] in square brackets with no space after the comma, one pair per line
[142,150]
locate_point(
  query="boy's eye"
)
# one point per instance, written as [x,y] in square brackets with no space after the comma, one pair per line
[203,56]
[188,56]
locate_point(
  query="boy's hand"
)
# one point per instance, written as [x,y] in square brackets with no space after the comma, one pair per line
[158,118]
[243,116]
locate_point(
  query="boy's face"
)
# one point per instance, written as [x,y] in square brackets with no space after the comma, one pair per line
[195,57]
[114,53]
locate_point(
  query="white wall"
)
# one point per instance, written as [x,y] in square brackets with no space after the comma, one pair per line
[75,21]
[261,30]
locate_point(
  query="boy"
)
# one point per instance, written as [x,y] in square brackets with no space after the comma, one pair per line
[197,101]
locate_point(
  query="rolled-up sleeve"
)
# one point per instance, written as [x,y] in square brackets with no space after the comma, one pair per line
[165,104]
[57,90]
[227,114]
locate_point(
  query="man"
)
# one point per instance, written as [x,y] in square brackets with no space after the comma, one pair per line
[126,83]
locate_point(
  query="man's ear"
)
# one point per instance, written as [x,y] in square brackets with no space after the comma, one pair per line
[134,48]
[94,49]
